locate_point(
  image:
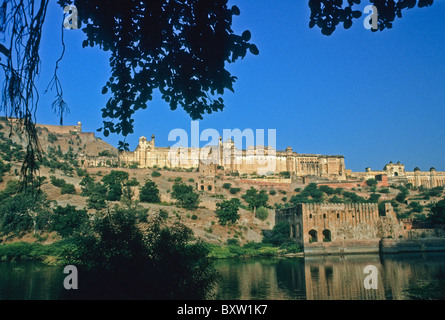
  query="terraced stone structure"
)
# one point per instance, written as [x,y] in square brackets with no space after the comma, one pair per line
[340,227]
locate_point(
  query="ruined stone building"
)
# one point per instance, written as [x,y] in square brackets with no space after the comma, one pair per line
[340,227]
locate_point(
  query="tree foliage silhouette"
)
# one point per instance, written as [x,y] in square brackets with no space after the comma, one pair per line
[180,48]
[328,14]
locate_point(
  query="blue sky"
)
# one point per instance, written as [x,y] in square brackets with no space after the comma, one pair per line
[372,97]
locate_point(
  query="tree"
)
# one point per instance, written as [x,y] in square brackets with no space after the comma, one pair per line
[114,182]
[97,197]
[117,260]
[67,220]
[185,195]
[227,211]
[24,212]
[328,14]
[372,183]
[262,213]
[401,196]
[256,198]
[115,177]
[149,192]
[374,198]
[437,216]
[279,235]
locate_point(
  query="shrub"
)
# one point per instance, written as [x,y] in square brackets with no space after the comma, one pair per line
[255,198]
[57,182]
[279,235]
[155,174]
[132,183]
[262,213]
[185,195]
[194,217]
[149,192]
[234,190]
[81,172]
[233,242]
[68,188]
[272,192]
[371,182]
[52,137]
[67,220]
[163,214]
[126,261]
[227,211]
[97,197]
[227,185]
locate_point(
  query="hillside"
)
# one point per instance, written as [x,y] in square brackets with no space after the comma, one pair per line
[63,161]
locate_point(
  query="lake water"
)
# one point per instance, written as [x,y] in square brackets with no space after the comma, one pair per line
[399,277]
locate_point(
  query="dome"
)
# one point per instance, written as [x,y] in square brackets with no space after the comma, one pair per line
[432,169]
[416,169]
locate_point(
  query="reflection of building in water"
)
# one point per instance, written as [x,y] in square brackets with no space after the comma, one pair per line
[331,277]
[262,280]
[341,278]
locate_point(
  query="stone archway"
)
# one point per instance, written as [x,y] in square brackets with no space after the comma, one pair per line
[327,235]
[313,236]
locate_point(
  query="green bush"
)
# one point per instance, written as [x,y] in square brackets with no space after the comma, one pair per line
[67,220]
[227,211]
[68,188]
[155,174]
[233,242]
[279,235]
[262,213]
[149,192]
[185,195]
[234,190]
[57,182]
[163,214]
[227,185]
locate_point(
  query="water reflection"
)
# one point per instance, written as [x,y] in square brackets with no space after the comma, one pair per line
[29,281]
[400,277]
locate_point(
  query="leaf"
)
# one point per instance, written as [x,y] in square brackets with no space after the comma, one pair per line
[356,14]
[246,35]
[254,50]
[347,24]
[236,11]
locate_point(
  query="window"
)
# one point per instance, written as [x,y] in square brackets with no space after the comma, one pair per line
[313,236]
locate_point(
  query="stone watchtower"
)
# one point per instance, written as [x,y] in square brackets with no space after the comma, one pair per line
[207,177]
[79,127]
